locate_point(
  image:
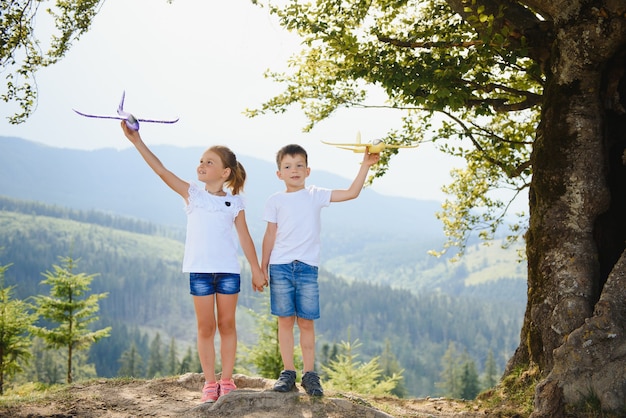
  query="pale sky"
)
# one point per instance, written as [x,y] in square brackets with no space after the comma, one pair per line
[203,61]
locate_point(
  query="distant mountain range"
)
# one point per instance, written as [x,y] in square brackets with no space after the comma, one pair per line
[377,238]
[119,181]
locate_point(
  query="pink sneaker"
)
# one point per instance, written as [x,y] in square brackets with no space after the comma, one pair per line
[227,386]
[210,392]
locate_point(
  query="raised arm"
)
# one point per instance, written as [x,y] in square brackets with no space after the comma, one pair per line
[174,182]
[357,185]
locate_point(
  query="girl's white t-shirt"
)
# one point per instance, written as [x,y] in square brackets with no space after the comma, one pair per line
[298,219]
[211,242]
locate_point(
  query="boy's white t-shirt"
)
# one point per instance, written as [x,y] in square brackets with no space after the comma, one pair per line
[298,219]
[211,241]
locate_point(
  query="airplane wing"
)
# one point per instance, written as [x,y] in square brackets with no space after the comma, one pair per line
[158,121]
[99,116]
[401,146]
[358,147]
[355,149]
[373,147]
[348,144]
[131,121]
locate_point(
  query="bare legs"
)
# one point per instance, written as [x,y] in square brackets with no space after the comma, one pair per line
[226,306]
[286,342]
[207,324]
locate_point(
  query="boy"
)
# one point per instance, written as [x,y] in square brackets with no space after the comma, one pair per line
[291,249]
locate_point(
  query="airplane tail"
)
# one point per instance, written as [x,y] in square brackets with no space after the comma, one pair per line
[120,108]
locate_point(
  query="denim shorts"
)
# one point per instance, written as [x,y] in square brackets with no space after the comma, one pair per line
[204,284]
[294,290]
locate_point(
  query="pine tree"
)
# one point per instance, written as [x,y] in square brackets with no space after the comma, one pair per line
[490,379]
[327,355]
[71,309]
[450,374]
[172,360]
[185,365]
[131,363]
[470,386]
[81,368]
[390,366]
[45,366]
[196,366]
[265,356]
[16,320]
[156,363]
[347,374]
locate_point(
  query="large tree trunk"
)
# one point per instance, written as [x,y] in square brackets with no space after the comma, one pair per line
[573,328]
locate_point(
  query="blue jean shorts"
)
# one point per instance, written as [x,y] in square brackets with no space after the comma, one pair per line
[294,290]
[204,284]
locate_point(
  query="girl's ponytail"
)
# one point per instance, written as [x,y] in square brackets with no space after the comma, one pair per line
[237,176]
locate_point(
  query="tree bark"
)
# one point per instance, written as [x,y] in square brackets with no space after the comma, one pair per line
[573,325]
[590,364]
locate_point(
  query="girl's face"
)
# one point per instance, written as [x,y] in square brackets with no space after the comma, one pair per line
[293,171]
[211,168]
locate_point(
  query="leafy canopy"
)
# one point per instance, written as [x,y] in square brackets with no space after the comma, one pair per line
[460,75]
[21,50]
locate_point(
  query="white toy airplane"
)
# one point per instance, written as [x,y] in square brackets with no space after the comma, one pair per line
[131,121]
[374,147]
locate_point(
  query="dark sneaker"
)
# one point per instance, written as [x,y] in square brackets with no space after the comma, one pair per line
[286,381]
[311,383]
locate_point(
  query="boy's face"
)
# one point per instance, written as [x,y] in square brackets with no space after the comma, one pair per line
[293,171]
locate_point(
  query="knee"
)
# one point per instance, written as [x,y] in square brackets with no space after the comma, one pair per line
[206,330]
[306,324]
[226,326]
[286,321]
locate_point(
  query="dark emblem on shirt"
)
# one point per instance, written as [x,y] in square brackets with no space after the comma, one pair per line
[227,203]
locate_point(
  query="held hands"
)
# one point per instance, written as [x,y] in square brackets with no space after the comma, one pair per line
[259,281]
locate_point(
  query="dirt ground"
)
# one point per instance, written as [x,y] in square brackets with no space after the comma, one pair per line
[179,397]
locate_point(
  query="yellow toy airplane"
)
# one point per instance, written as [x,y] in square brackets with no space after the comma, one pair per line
[374,147]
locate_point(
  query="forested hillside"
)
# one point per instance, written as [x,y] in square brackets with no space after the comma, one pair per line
[139,266]
[106,209]
[375,238]
[391,231]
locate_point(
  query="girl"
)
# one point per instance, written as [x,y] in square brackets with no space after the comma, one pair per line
[211,253]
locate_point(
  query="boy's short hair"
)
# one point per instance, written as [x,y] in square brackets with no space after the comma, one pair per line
[293,150]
